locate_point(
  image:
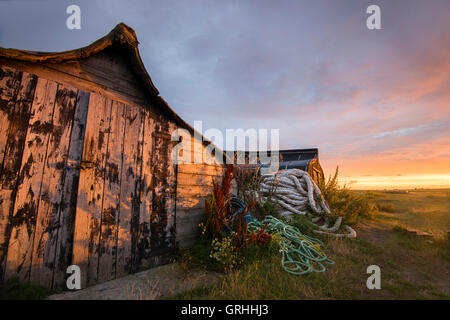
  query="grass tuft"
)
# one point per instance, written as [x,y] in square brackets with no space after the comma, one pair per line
[351,206]
[14,289]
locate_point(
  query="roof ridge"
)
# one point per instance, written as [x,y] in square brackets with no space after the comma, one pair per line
[122,35]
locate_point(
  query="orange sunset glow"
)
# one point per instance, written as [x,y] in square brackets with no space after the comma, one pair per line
[366,173]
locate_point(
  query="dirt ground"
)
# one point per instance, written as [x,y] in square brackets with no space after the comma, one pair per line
[373,232]
[157,283]
[419,268]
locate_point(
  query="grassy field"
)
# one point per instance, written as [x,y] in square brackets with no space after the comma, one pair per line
[411,268]
[426,210]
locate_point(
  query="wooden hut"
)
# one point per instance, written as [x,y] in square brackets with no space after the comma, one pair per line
[86,173]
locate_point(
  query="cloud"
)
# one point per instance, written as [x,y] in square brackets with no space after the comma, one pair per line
[367,99]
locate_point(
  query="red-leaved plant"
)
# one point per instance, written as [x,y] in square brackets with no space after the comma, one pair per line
[242,238]
[217,203]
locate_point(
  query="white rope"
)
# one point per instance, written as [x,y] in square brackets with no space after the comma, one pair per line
[296,193]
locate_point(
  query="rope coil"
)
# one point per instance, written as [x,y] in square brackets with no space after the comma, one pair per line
[296,193]
[300,254]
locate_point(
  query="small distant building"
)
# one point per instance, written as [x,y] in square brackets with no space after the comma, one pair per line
[303,159]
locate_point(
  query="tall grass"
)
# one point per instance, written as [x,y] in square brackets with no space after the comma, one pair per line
[351,206]
[386,207]
[248,180]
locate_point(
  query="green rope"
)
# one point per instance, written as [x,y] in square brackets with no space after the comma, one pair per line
[300,254]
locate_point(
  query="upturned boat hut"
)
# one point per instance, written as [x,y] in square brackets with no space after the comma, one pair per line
[87,176]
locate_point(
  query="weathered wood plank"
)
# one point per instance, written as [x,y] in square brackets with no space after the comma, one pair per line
[135,221]
[129,194]
[194,184]
[186,190]
[49,71]
[186,215]
[189,179]
[193,202]
[198,154]
[114,70]
[187,240]
[162,227]
[19,114]
[9,85]
[66,224]
[47,224]
[143,248]
[190,227]
[30,182]
[9,88]
[111,195]
[90,192]
[171,205]
[202,169]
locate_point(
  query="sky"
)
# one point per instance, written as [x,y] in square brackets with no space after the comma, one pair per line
[375,102]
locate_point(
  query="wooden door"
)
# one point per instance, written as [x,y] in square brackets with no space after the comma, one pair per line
[42,124]
[125,198]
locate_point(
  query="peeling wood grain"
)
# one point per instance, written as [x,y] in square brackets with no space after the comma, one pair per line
[194,190]
[194,202]
[202,169]
[137,200]
[161,226]
[194,184]
[30,181]
[184,214]
[19,114]
[67,209]
[171,205]
[47,225]
[129,194]
[51,71]
[89,202]
[9,86]
[111,195]
[143,246]
[189,179]
[9,89]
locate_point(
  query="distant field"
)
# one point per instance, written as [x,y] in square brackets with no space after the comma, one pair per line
[426,210]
